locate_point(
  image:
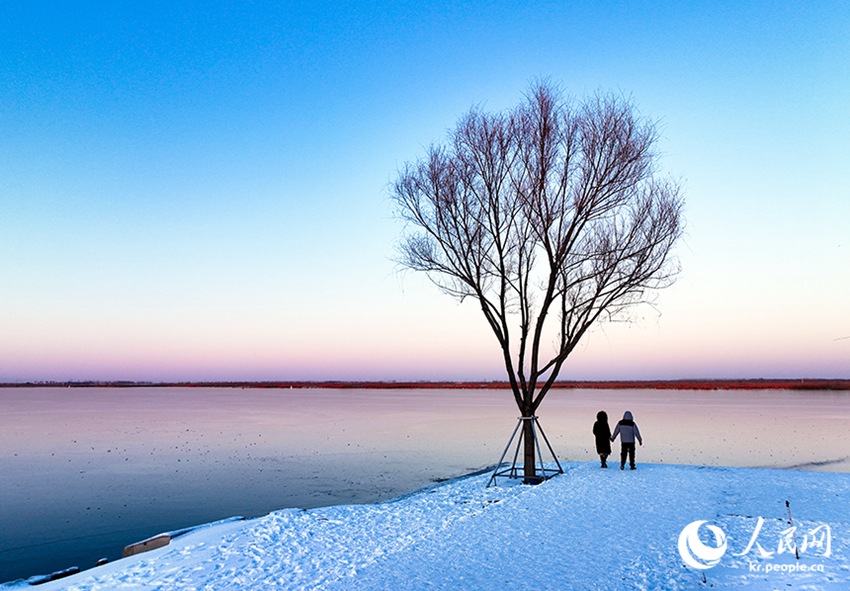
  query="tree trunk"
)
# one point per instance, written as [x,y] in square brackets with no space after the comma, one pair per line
[529,471]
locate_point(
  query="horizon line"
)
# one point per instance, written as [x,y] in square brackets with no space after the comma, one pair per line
[669,384]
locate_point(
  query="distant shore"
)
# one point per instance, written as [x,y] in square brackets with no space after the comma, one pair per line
[681,384]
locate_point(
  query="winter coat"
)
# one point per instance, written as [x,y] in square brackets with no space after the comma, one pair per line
[602,432]
[627,429]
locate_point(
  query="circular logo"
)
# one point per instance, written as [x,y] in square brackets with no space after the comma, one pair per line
[694,552]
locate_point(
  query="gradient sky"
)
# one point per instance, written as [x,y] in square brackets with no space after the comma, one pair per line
[199,190]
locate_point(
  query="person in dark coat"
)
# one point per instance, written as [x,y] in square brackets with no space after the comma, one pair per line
[602,432]
[628,431]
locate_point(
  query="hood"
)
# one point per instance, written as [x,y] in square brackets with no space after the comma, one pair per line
[602,416]
[627,416]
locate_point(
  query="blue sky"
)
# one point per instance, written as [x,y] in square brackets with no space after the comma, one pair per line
[200,190]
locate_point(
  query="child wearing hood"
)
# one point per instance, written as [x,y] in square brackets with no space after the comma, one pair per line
[602,432]
[628,431]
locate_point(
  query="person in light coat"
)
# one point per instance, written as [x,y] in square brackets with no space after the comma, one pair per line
[628,431]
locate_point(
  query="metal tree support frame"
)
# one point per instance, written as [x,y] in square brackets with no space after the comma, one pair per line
[514,471]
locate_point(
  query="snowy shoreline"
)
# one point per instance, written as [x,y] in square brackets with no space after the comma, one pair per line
[587,529]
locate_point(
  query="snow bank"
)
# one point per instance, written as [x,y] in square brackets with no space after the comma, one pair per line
[587,529]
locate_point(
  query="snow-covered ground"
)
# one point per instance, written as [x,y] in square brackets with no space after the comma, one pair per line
[586,529]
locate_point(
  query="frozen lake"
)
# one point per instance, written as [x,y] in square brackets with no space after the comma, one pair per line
[87,471]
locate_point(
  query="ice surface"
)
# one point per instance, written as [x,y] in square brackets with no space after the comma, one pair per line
[81,480]
[587,529]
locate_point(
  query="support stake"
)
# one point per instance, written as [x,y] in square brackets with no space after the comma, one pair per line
[514,470]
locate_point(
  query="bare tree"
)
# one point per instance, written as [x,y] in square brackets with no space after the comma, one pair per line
[551,217]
